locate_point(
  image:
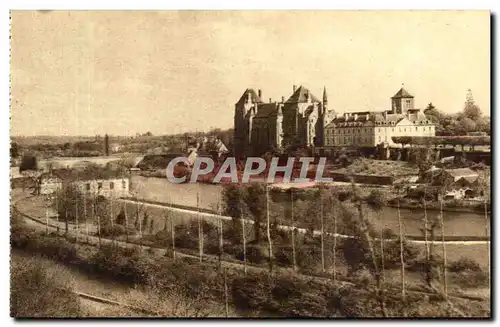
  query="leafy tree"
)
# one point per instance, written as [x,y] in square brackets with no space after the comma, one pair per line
[471,110]
[255,200]
[28,162]
[14,150]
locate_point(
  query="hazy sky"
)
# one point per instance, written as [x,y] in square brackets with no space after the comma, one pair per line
[117,72]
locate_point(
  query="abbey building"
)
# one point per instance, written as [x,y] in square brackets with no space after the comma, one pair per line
[303,120]
[260,126]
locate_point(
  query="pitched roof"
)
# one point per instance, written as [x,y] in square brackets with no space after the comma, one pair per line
[402,93]
[255,98]
[300,96]
[266,110]
[462,173]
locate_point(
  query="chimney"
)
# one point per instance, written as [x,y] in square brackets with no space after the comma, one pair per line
[283,99]
[260,93]
[294,88]
[269,100]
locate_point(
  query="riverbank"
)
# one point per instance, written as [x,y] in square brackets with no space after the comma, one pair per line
[245,290]
[159,190]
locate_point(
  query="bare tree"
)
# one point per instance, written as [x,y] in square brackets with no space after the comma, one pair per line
[270,245]
[401,249]
[445,280]
[243,232]
[294,257]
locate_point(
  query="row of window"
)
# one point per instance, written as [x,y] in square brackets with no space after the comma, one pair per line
[366,130]
[111,185]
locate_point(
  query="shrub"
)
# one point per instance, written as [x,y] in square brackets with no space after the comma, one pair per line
[38,290]
[470,278]
[464,264]
[256,253]
[251,292]
[115,230]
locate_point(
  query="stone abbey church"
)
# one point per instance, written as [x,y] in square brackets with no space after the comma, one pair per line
[261,126]
[306,121]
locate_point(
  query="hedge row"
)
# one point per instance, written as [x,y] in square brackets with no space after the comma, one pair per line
[443,140]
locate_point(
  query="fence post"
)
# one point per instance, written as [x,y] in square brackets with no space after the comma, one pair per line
[270,245]
[244,242]
[172,230]
[294,258]
[403,292]
[488,245]
[200,226]
[322,231]
[221,231]
[445,260]
[76,219]
[226,300]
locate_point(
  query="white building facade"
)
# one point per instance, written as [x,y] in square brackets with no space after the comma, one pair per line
[369,129]
[109,188]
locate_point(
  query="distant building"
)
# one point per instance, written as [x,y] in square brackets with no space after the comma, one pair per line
[369,129]
[107,186]
[459,176]
[260,126]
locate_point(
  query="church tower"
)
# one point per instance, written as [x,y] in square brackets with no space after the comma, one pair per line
[402,102]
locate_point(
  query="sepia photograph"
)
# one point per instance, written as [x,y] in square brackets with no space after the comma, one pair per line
[250,164]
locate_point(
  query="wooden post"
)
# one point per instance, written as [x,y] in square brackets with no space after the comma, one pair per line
[200,231]
[382,259]
[126,221]
[172,230]
[111,211]
[47,217]
[244,242]
[488,246]
[57,213]
[66,212]
[322,231]
[270,245]
[334,248]
[426,230]
[99,229]
[401,247]
[76,219]
[85,215]
[445,279]
[226,300]
[221,231]
[294,258]
[138,219]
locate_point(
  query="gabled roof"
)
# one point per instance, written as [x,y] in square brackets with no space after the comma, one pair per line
[461,173]
[255,98]
[266,110]
[402,93]
[300,96]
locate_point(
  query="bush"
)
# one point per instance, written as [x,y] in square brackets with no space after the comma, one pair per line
[38,290]
[115,230]
[465,264]
[251,292]
[256,253]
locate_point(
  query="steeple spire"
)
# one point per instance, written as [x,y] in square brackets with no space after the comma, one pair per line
[325,96]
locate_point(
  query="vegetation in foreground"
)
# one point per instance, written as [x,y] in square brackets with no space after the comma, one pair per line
[254,293]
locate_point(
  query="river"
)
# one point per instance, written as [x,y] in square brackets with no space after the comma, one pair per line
[456,223]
